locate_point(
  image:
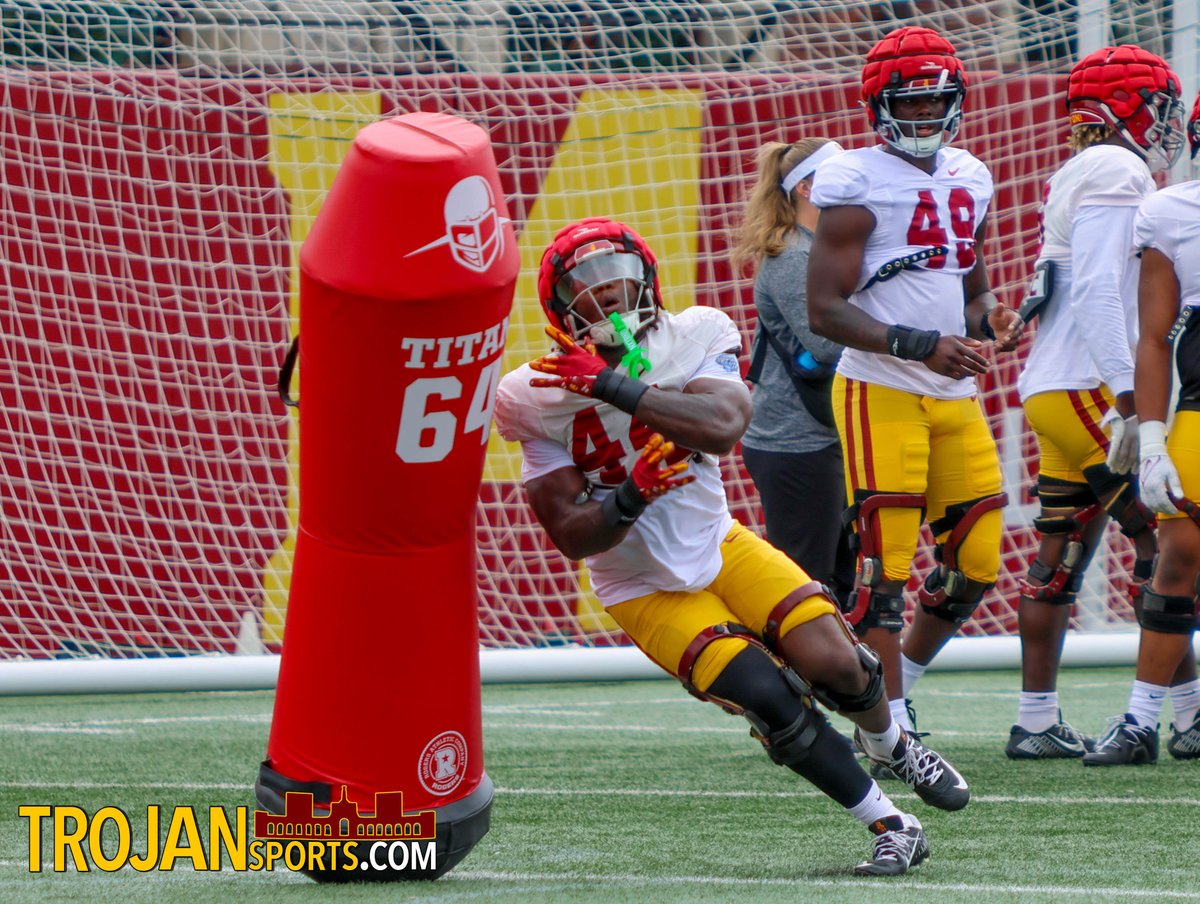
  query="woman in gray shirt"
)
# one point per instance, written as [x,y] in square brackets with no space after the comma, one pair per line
[794,459]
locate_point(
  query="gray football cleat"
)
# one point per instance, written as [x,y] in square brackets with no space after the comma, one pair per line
[1059,741]
[1125,744]
[900,844]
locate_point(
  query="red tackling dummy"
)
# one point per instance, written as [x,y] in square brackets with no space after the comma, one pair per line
[406,285]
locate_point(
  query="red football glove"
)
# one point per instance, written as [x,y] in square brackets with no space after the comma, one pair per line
[651,478]
[652,475]
[574,368]
[583,372]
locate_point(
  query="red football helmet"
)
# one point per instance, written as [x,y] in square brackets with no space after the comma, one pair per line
[1194,127]
[1135,93]
[913,62]
[601,260]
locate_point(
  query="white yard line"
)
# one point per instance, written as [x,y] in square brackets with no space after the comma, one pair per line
[724,881]
[549,881]
[800,791]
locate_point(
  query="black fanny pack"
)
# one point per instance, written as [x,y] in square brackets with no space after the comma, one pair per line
[813,381]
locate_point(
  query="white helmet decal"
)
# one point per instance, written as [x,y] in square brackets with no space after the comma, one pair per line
[474,229]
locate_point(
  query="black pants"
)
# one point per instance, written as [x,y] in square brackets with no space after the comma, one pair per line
[803,496]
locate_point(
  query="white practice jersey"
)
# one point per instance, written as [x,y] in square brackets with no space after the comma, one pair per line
[1087,332]
[674,545]
[1169,222]
[913,211]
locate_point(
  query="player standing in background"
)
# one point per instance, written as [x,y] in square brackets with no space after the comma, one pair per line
[1166,232]
[1122,103]
[897,274]
[734,619]
[791,448]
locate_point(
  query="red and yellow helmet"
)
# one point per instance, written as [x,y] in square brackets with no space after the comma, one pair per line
[913,62]
[1136,94]
[591,253]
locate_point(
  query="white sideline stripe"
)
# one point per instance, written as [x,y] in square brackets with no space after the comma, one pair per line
[108,726]
[523,707]
[182,872]
[38,728]
[981,888]
[731,729]
[812,792]
[569,879]
[602,792]
[154,720]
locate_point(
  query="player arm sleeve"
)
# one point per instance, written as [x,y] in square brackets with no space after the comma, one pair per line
[540,457]
[1100,251]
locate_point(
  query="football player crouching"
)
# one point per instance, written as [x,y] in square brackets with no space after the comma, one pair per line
[621,430]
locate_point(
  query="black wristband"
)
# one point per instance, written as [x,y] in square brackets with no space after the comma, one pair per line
[621,392]
[986,328]
[623,505]
[912,345]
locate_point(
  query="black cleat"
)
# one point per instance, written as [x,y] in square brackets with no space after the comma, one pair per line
[880,772]
[925,771]
[1059,741]
[900,844]
[1125,744]
[1185,745]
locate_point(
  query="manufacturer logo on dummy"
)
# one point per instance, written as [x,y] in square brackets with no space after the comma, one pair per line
[443,763]
[474,228]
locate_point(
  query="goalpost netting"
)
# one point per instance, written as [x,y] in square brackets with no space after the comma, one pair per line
[162,164]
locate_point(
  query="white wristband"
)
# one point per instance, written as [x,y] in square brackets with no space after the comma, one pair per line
[1152,437]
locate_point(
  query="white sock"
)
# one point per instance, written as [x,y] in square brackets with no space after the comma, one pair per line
[1037,710]
[910,673]
[1185,700]
[880,745]
[900,714]
[1145,703]
[874,807]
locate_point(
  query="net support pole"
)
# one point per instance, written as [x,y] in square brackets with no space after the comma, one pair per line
[1185,60]
[1093,27]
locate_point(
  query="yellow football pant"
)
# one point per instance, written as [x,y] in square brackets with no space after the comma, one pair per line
[1183,445]
[1066,423]
[754,578]
[899,442]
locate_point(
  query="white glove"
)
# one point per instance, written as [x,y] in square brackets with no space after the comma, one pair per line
[1123,441]
[1158,480]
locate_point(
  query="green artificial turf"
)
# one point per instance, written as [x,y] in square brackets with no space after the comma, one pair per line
[636,792]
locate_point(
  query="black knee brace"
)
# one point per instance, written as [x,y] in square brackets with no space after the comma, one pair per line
[871,694]
[1067,509]
[1118,495]
[775,703]
[869,609]
[1057,585]
[882,610]
[1167,614]
[947,592]
[791,745]
[957,606]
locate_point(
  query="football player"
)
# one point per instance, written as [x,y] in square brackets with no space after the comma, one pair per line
[1126,121]
[621,430]
[897,274]
[1166,232]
